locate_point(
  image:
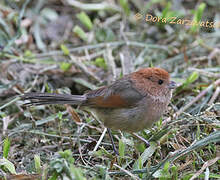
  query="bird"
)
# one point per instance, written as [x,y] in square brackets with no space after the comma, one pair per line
[131,103]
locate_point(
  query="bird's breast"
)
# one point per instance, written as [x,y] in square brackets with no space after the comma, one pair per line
[132,119]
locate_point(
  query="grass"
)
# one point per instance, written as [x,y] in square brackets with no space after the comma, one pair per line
[81,46]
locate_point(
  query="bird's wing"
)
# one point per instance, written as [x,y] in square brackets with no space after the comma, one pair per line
[120,94]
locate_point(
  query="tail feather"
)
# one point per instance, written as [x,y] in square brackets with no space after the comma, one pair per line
[52,98]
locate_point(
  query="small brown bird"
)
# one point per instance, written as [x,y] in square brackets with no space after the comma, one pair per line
[130,104]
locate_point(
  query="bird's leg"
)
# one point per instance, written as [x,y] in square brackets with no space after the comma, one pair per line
[142,139]
[112,141]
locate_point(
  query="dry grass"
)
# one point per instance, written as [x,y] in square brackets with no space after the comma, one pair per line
[51,46]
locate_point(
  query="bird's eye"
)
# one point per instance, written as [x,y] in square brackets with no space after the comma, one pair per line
[160,81]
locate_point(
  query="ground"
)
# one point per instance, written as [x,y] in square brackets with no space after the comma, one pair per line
[73,46]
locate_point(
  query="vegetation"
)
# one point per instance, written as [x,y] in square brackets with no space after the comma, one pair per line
[73,46]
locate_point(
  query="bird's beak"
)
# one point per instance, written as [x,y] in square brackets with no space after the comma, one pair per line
[172,85]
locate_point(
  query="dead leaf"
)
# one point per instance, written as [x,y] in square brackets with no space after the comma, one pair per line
[23,177]
[73,113]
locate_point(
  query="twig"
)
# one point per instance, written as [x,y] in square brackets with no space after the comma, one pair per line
[111,19]
[142,139]
[100,140]
[206,73]
[201,58]
[93,6]
[48,68]
[89,57]
[205,165]
[137,171]
[101,45]
[127,172]
[57,136]
[9,103]
[214,96]
[79,131]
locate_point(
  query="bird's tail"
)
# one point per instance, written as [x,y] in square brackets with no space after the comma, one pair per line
[51,98]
